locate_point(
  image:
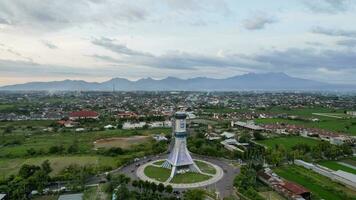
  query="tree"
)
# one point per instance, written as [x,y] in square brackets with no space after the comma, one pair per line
[153,187]
[122,192]
[160,187]
[195,194]
[46,167]
[28,170]
[169,189]
[258,136]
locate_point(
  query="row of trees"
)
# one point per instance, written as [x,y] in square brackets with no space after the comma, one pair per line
[125,189]
[323,150]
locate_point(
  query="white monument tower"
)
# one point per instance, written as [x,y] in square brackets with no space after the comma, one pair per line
[179,159]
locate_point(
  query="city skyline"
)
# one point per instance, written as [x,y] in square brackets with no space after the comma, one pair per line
[95,40]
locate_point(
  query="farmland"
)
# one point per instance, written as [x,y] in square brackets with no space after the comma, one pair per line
[347,126]
[336,165]
[320,186]
[288,142]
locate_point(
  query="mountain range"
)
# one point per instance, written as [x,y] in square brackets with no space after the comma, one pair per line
[250,81]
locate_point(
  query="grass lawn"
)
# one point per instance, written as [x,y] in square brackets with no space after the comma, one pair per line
[157,173]
[347,126]
[204,167]
[58,163]
[160,162]
[288,142]
[189,177]
[334,165]
[320,186]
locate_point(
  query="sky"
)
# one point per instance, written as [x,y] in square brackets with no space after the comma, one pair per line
[96,40]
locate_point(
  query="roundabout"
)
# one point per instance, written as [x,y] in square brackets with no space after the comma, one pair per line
[153,172]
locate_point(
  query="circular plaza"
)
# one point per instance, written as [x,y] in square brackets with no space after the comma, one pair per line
[154,172]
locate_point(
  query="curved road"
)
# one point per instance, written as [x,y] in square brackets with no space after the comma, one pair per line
[224,186]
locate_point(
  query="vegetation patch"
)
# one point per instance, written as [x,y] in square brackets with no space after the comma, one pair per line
[288,142]
[190,177]
[320,186]
[157,173]
[205,167]
[58,163]
[334,165]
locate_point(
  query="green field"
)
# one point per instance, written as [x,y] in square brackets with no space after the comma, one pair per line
[162,174]
[157,173]
[204,167]
[288,142]
[189,177]
[334,165]
[58,163]
[320,186]
[347,126]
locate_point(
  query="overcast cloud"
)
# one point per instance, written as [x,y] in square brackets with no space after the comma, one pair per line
[96,40]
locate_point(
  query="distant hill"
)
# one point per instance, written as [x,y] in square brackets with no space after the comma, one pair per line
[251,81]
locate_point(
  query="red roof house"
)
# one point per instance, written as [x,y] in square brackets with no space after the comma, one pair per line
[84,114]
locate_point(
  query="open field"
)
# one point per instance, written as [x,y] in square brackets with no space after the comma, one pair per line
[58,163]
[46,140]
[347,126]
[304,112]
[335,165]
[122,142]
[320,186]
[271,195]
[288,142]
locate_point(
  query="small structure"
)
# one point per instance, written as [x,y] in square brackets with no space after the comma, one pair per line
[228,135]
[159,138]
[109,126]
[353,113]
[249,125]
[78,196]
[129,125]
[84,114]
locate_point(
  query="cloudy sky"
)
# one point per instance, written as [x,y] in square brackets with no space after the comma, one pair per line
[95,40]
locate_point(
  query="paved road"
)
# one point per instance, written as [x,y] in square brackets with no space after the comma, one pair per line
[224,186]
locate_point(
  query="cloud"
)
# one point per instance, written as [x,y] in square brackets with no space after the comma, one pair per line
[307,59]
[258,21]
[52,15]
[347,43]
[334,32]
[112,45]
[49,44]
[4,21]
[327,6]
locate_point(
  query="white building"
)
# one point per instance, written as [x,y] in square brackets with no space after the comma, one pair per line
[353,113]
[129,125]
[227,135]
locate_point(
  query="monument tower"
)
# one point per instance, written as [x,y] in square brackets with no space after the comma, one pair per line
[179,160]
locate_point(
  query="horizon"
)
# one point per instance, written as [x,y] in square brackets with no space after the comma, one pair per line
[96,40]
